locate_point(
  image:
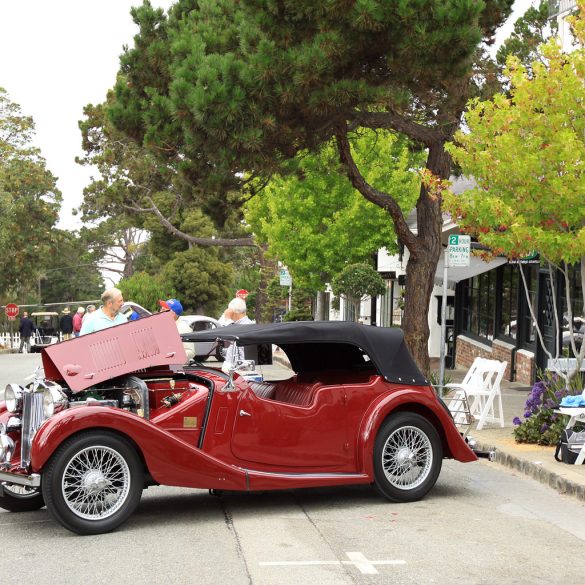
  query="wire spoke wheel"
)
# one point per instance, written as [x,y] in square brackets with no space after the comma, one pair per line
[96,483]
[407,457]
[93,482]
[20,498]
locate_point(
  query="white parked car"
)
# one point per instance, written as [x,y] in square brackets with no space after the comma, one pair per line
[205,349]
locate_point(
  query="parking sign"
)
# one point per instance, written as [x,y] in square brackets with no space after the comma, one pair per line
[459,250]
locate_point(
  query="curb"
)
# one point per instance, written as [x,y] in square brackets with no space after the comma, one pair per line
[537,472]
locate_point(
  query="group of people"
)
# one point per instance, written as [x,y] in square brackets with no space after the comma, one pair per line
[88,320]
[70,325]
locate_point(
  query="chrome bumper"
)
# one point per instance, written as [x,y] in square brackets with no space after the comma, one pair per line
[472,444]
[32,480]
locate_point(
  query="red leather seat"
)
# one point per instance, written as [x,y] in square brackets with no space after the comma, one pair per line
[298,393]
[263,389]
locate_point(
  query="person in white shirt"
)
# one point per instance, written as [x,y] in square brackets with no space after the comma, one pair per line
[235,314]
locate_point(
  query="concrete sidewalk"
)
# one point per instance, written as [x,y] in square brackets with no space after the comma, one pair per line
[535,461]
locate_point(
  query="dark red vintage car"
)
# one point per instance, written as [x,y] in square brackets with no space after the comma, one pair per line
[117,411]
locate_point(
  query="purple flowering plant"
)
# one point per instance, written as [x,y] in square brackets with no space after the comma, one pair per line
[541,424]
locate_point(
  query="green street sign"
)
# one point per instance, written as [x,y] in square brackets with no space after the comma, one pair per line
[459,250]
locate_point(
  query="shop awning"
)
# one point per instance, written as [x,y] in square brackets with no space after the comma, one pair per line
[476,266]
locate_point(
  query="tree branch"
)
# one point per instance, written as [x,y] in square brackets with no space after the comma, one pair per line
[378,198]
[224,242]
[392,121]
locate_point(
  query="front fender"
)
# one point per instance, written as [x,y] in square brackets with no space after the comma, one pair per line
[422,402]
[169,459]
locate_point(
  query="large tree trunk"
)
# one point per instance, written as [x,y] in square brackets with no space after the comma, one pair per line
[422,264]
[261,293]
[320,306]
[424,245]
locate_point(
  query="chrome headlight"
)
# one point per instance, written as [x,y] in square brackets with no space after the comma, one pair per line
[6,449]
[53,399]
[13,397]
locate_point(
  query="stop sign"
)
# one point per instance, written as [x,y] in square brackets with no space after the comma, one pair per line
[11,310]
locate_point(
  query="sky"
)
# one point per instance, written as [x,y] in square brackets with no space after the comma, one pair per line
[56,56]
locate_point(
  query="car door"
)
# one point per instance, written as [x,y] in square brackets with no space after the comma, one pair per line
[312,437]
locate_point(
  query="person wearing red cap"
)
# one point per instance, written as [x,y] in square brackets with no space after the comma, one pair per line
[176,309]
[242,294]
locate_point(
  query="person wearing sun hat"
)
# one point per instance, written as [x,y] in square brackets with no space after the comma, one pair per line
[176,309]
[66,324]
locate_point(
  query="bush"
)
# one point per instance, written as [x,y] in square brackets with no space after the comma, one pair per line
[298,315]
[541,425]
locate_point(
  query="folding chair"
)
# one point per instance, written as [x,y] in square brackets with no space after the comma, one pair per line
[481,387]
[456,398]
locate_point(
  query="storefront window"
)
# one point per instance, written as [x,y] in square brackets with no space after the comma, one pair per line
[508,324]
[528,328]
[479,304]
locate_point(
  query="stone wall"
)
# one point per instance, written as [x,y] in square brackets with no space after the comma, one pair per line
[468,349]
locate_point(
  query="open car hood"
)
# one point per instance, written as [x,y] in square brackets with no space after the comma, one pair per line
[318,345]
[87,360]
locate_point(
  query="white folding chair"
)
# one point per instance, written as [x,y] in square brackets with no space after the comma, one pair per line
[481,387]
[456,398]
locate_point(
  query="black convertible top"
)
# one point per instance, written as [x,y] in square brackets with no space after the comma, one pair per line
[321,345]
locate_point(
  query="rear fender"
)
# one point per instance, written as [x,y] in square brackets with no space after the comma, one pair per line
[170,460]
[410,400]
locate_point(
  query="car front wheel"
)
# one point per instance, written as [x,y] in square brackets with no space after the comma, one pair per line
[407,457]
[93,482]
[18,498]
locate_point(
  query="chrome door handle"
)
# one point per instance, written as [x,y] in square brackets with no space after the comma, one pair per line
[244,413]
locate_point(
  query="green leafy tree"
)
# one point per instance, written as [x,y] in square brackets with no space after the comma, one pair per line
[71,271]
[231,89]
[146,289]
[315,222]
[526,151]
[530,31]
[29,204]
[138,188]
[203,282]
[356,282]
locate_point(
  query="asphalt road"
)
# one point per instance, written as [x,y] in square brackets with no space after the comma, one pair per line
[482,524]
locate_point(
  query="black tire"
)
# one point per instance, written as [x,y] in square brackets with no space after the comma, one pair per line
[93,482]
[220,352]
[408,455]
[18,498]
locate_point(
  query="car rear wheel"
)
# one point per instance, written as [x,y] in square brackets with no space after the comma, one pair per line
[407,457]
[220,352]
[19,498]
[93,482]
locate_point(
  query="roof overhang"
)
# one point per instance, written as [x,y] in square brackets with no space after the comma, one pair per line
[476,266]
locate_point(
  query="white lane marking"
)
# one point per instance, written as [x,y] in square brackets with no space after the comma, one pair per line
[358,559]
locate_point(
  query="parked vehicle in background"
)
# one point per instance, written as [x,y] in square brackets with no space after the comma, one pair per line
[205,349]
[130,306]
[118,410]
[47,332]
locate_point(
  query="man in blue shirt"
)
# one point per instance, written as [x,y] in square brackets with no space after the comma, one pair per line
[107,315]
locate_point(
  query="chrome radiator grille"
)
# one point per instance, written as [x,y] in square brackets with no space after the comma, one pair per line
[32,418]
